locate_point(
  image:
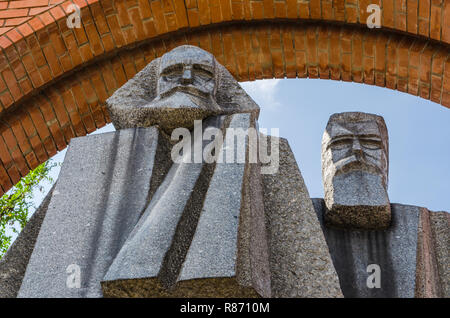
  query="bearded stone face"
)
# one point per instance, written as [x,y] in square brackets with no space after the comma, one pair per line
[191,71]
[186,87]
[355,171]
[183,85]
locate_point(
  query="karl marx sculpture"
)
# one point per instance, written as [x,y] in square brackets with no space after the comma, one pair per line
[355,166]
[184,85]
[125,220]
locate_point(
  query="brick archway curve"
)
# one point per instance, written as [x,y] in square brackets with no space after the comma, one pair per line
[55,79]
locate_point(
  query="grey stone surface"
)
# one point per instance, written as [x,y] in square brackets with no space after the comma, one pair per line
[300,262]
[253,267]
[215,250]
[14,263]
[183,85]
[355,161]
[101,192]
[427,275]
[186,243]
[440,227]
[393,249]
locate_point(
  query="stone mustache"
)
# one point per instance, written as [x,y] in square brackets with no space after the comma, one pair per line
[138,225]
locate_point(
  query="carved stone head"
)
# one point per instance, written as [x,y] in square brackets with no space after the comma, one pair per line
[187,69]
[355,171]
[183,85]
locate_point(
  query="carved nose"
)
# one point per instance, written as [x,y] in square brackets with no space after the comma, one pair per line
[187,77]
[357,147]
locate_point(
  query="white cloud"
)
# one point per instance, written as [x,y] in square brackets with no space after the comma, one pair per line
[263,92]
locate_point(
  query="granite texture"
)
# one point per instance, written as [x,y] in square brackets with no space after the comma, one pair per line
[222,287]
[440,228]
[101,192]
[300,262]
[253,268]
[186,243]
[393,249]
[355,171]
[215,250]
[152,244]
[427,275]
[184,85]
[14,263]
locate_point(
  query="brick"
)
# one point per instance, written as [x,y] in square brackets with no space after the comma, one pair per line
[303,9]
[412,16]
[11,82]
[57,136]
[280,10]
[89,123]
[403,57]
[116,31]
[25,29]
[424,17]
[68,133]
[388,14]
[435,22]
[27,4]
[32,160]
[13,13]
[413,81]
[291,7]
[5,156]
[50,147]
[315,10]
[158,17]
[20,162]
[16,21]
[25,86]
[53,61]
[269,11]
[5,179]
[14,175]
[425,64]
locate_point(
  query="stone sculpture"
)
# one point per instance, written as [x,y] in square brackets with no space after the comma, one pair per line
[364,232]
[134,222]
[355,161]
[137,213]
[184,85]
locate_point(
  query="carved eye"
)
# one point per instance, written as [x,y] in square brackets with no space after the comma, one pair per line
[202,72]
[341,144]
[172,72]
[370,144]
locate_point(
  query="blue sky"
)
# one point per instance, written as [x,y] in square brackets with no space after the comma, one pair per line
[419,133]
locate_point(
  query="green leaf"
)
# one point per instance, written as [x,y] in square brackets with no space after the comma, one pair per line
[15,205]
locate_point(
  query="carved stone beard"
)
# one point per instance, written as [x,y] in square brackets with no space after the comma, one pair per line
[180,108]
[355,195]
[356,188]
[357,163]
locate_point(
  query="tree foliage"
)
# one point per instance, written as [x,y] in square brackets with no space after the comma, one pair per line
[15,205]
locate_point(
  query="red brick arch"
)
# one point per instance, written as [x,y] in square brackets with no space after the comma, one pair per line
[54,80]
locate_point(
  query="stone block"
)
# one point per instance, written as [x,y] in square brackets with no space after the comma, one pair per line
[103,188]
